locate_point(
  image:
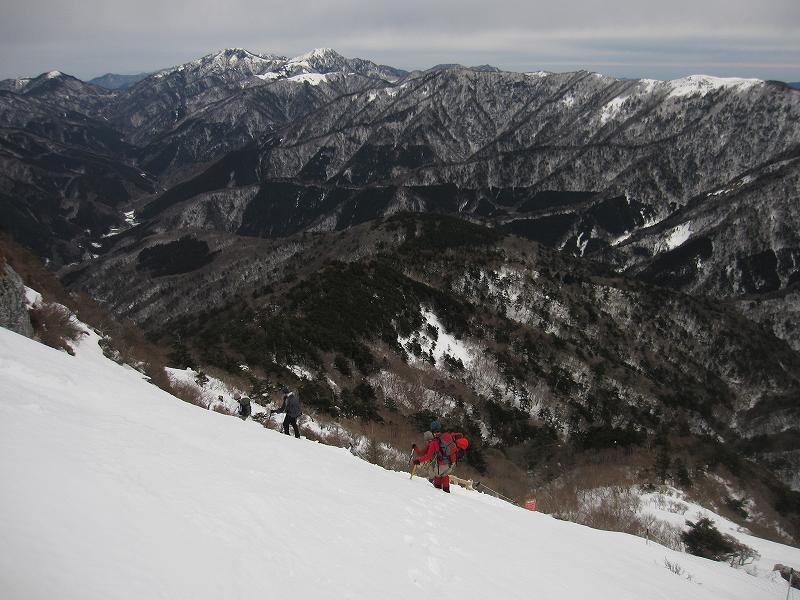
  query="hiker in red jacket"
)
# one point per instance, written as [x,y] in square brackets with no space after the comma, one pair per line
[442,464]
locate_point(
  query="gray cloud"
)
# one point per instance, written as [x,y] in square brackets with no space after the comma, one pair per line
[619,37]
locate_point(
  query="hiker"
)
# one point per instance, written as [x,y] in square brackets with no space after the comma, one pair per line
[789,574]
[291,406]
[442,464]
[245,409]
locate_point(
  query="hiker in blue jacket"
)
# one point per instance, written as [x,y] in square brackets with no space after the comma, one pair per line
[290,406]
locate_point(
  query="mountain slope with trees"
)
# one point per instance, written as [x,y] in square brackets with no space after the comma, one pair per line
[539,355]
[586,163]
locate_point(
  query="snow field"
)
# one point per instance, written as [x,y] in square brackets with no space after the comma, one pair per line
[115,489]
[676,510]
[444,343]
[703,84]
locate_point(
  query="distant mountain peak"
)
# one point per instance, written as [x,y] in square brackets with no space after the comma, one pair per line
[233,64]
[457,67]
[115,81]
[243,53]
[52,79]
[47,80]
[47,76]
[319,60]
[317,53]
[486,69]
[237,51]
[328,60]
[231,56]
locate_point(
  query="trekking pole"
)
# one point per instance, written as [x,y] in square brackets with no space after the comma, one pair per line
[497,494]
[789,591]
[411,460]
[413,470]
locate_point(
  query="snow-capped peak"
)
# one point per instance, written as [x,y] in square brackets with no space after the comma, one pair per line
[242,53]
[703,84]
[316,54]
[319,60]
[232,64]
[231,56]
[53,74]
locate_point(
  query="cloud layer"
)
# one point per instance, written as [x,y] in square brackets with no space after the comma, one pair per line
[618,37]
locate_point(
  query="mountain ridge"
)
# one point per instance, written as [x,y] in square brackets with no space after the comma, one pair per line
[322,120]
[586,163]
[114,81]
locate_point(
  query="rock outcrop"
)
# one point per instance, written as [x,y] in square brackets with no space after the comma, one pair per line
[13,307]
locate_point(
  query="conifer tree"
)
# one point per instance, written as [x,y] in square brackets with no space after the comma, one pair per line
[201,379]
[663,463]
[180,357]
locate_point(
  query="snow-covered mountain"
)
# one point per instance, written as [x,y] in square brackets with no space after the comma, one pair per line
[576,160]
[113,488]
[657,143]
[232,65]
[738,241]
[62,92]
[326,60]
[690,184]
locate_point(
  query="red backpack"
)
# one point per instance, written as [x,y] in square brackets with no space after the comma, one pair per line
[452,447]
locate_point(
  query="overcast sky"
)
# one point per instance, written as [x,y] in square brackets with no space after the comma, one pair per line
[623,38]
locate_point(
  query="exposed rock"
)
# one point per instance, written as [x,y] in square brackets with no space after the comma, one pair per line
[13,307]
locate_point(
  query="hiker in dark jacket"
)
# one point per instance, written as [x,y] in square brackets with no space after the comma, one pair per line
[291,406]
[244,406]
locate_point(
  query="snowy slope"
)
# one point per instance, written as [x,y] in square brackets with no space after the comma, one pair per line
[675,509]
[114,489]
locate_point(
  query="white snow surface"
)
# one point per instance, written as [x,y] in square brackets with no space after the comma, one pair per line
[700,85]
[130,218]
[310,78]
[444,343]
[389,91]
[112,488]
[675,509]
[677,236]
[301,372]
[32,297]
[316,53]
[211,391]
[612,108]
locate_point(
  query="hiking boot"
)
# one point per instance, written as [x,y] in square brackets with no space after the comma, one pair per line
[447,489]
